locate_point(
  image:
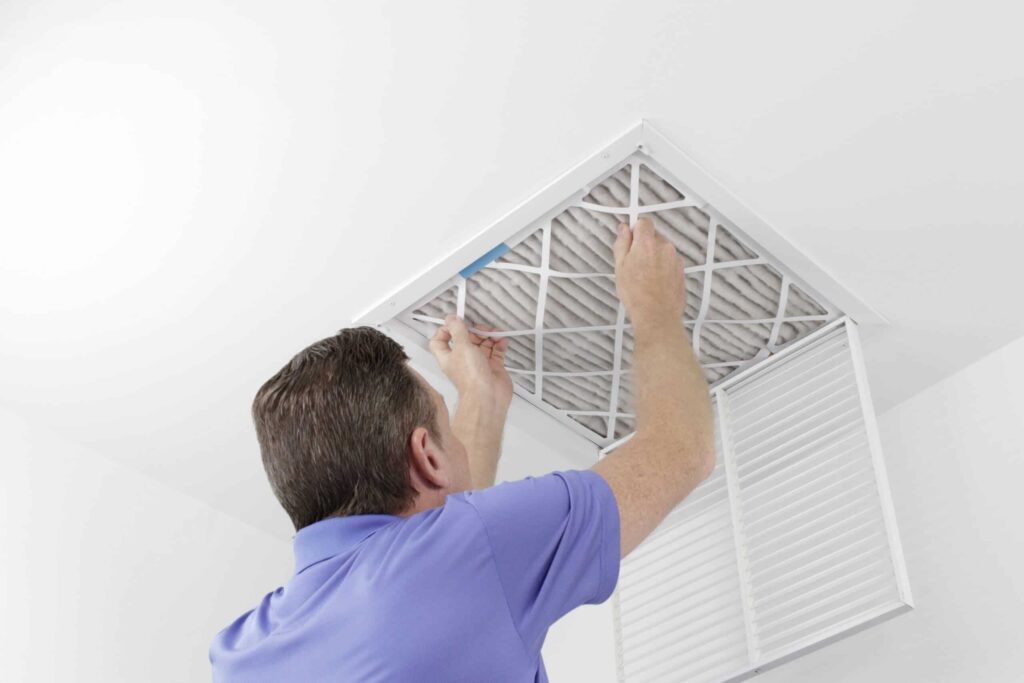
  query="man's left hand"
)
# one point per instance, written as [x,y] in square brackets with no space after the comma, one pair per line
[476,363]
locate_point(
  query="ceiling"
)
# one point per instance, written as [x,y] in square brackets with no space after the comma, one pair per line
[192,191]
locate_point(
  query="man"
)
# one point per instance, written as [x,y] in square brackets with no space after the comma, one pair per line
[410,564]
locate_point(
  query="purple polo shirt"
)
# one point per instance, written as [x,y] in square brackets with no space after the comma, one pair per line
[463,593]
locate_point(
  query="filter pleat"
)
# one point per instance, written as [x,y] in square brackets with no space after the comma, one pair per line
[728,248]
[505,299]
[613,191]
[800,303]
[589,392]
[582,241]
[580,302]
[687,229]
[579,352]
[526,253]
[653,189]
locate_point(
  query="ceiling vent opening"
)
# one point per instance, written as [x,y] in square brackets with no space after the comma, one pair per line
[551,290]
[757,311]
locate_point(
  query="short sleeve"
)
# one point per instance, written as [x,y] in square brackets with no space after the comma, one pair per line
[555,541]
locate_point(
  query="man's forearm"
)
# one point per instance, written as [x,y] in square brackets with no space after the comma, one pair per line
[479,422]
[671,392]
[673,447]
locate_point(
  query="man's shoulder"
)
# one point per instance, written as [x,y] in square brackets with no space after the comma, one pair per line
[555,489]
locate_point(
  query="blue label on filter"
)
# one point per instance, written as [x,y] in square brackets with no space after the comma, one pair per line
[484,260]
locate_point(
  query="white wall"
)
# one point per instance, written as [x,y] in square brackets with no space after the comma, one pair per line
[107,575]
[955,456]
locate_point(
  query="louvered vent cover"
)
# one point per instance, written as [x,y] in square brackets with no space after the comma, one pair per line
[790,543]
[551,290]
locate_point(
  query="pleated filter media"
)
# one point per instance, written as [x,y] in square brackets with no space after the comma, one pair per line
[792,541]
[551,291]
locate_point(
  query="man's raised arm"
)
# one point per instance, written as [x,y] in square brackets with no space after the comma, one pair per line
[476,366]
[673,448]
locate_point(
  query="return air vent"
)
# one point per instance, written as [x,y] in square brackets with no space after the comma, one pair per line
[790,543]
[552,292]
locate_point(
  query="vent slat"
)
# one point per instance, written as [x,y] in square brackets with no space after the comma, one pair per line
[810,501]
[807,470]
[794,536]
[832,378]
[696,617]
[834,563]
[785,605]
[670,668]
[677,658]
[681,524]
[715,628]
[653,579]
[814,426]
[708,500]
[870,585]
[820,436]
[814,513]
[659,552]
[674,587]
[794,461]
[815,541]
[761,391]
[835,615]
[680,623]
[782,433]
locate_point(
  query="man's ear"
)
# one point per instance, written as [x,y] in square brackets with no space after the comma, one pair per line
[427,463]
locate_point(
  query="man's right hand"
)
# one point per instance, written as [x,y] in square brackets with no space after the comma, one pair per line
[649,275]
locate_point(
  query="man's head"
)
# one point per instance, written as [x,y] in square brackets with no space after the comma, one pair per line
[348,428]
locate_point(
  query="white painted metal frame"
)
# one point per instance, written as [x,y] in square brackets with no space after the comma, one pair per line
[856,623]
[739,541]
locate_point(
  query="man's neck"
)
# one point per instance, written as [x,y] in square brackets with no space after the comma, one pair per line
[425,501]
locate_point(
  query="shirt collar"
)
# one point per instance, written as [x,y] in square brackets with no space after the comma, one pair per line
[333,536]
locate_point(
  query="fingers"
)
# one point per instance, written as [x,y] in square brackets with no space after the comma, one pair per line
[455,328]
[439,343]
[644,232]
[622,244]
[494,345]
[485,341]
[458,329]
[499,348]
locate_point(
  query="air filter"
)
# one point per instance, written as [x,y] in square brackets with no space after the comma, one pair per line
[550,289]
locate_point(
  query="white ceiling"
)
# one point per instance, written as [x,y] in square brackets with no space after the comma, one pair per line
[192,191]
